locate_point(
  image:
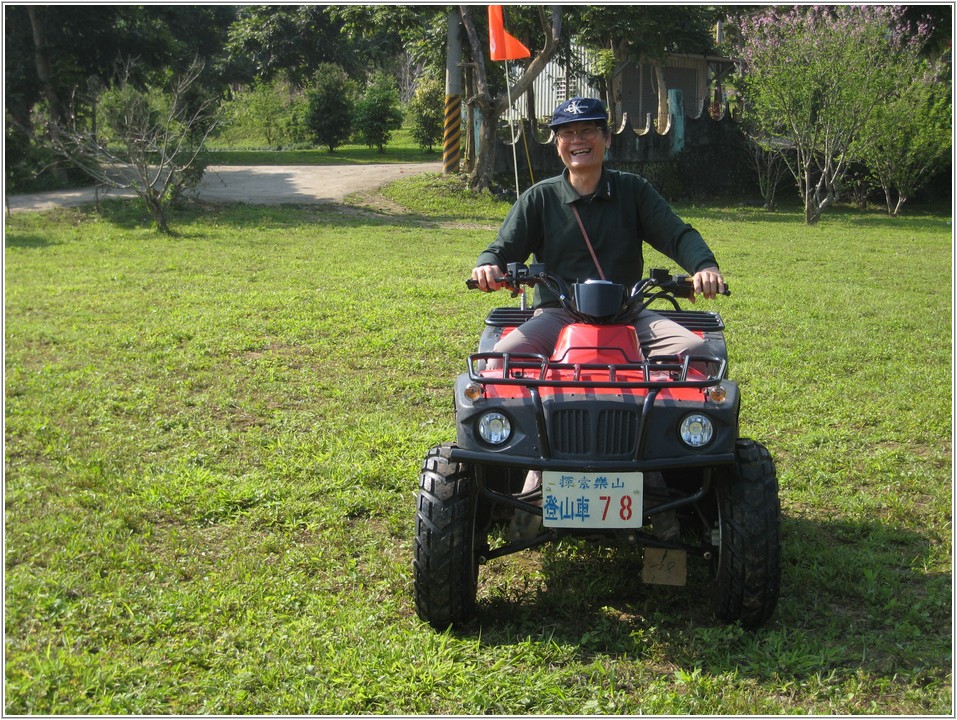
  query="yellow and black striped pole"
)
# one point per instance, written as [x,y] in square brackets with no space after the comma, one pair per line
[452,137]
[452,133]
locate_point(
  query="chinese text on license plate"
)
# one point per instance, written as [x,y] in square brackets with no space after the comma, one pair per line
[591,500]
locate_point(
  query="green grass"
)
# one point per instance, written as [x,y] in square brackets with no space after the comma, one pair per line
[212,448]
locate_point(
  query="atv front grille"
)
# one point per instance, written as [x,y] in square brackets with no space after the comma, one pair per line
[605,433]
[617,432]
[571,432]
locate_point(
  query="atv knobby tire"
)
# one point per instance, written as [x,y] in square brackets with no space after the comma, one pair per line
[747,569]
[445,565]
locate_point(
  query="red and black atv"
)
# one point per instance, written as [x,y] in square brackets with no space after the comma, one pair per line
[622,441]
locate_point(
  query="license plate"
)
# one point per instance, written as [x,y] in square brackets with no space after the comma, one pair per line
[591,500]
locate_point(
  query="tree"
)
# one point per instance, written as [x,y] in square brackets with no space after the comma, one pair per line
[52,52]
[55,48]
[331,103]
[768,165]
[647,33]
[812,77]
[295,40]
[907,138]
[268,110]
[377,112]
[383,33]
[492,106]
[149,141]
[425,115]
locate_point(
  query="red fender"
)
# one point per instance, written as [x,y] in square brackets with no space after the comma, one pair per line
[610,344]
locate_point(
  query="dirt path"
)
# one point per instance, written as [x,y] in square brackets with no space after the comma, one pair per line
[256,185]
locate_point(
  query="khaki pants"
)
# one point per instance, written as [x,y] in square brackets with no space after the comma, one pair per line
[657,335]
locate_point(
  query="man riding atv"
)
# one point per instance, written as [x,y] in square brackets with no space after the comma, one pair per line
[591,416]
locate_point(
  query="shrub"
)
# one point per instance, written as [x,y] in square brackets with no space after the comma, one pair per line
[269,111]
[909,135]
[426,114]
[330,107]
[377,112]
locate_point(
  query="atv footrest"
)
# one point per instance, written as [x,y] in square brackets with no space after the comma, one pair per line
[507,316]
[701,320]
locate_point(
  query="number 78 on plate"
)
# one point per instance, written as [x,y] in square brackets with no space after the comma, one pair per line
[592,501]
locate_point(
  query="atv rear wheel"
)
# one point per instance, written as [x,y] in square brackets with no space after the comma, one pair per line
[445,565]
[747,568]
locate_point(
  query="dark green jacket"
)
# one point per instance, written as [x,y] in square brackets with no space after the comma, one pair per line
[624,211]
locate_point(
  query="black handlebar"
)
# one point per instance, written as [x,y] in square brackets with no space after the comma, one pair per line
[682,285]
[677,285]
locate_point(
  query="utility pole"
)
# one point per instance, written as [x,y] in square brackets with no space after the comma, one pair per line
[452,135]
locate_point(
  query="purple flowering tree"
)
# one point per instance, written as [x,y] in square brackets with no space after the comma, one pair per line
[812,76]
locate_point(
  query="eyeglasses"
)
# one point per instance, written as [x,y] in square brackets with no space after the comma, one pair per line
[566,135]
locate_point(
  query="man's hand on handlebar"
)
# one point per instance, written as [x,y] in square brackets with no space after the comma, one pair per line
[484,277]
[708,283]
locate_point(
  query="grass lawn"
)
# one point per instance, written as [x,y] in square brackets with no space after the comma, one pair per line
[213,442]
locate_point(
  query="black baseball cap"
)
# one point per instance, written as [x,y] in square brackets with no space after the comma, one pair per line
[577,109]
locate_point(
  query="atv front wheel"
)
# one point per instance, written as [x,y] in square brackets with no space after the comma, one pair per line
[445,565]
[747,568]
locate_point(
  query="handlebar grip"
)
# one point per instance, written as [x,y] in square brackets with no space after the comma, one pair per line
[686,280]
[473,284]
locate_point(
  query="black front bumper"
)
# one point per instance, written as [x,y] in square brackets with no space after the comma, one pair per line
[479,457]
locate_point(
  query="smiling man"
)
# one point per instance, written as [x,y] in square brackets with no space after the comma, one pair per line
[590,223]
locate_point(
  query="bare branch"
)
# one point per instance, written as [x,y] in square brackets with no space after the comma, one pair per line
[152,145]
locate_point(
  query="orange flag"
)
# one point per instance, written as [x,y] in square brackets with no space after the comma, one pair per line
[501,45]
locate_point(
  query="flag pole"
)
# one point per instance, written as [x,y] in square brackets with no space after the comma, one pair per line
[508,89]
[503,46]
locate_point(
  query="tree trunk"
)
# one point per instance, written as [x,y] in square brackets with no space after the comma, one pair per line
[530,110]
[609,99]
[894,207]
[45,74]
[663,115]
[468,156]
[807,194]
[484,169]
[44,71]
[493,107]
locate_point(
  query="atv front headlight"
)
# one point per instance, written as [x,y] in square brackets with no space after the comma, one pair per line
[696,430]
[494,428]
